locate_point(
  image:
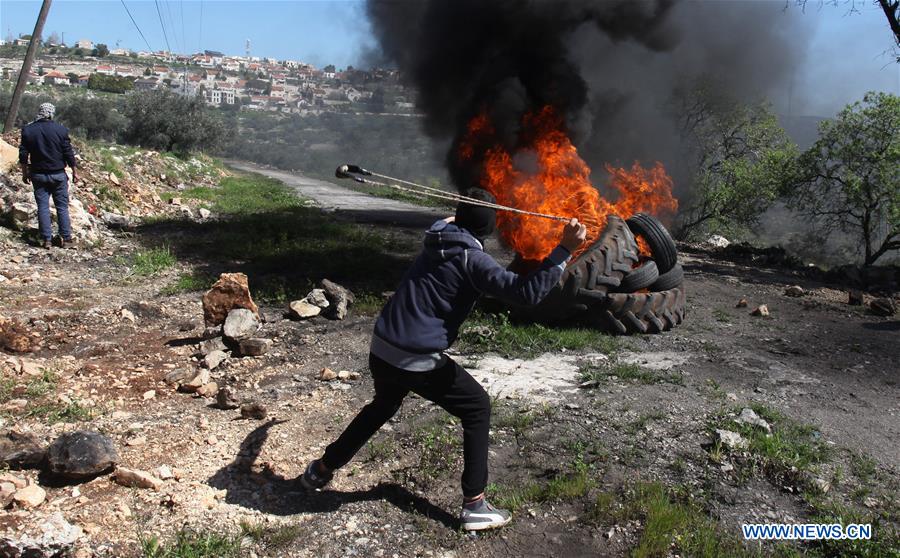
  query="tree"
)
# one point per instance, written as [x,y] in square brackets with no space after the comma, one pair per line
[851,175]
[741,156]
[329,69]
[100,51]
[53,39]
[110,84]
[167,121]
[93,118]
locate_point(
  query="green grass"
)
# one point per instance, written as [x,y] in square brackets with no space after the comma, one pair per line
[559,488]
[786,454]
[381,449]
[498,333]
[272,538]
[671,525]
[721,316]
[152,261]
[438,447]
[190,544]
[625,371]
[284,247]
[885,540]
[7,385]
[110,198]
[189,283]
[38,387]
[52,413]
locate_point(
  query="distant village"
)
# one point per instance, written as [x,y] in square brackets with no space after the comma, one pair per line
[246,83]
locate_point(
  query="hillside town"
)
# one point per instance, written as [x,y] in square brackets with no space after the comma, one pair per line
[232,82]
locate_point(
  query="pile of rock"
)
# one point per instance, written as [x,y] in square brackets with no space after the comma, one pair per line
[118,199]
[331,300]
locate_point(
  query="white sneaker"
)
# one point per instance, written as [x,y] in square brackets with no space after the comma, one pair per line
[483,516]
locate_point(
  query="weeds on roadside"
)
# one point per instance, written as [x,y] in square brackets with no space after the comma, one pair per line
[381,449]
[188,283]
[272,538]
[192,544]
[671,523]
[486,332]
[559,488]
[438,447]
[152,261]
[617,370]
[52,413]
[785,455]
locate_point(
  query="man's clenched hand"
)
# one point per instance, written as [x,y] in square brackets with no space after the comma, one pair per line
[574,234]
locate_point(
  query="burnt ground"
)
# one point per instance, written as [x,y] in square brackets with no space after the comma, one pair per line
[571,461]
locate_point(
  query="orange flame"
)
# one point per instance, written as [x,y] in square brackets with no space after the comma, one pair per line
[558,184]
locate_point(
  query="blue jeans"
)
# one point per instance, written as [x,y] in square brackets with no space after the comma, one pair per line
[56,185]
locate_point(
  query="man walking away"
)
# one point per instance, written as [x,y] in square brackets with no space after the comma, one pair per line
[420,322]
[47,144]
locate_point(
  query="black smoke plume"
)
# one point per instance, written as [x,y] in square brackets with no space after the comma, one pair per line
[608,67]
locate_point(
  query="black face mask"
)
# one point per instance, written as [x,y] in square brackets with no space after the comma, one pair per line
[480,221]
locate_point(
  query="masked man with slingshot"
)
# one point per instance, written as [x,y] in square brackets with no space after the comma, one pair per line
[421,320]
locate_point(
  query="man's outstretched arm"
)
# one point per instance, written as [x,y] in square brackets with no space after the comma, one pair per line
[490,278]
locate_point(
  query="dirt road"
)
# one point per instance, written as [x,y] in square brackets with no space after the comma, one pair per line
[356,205]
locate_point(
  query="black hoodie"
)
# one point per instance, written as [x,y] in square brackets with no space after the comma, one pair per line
[439,290]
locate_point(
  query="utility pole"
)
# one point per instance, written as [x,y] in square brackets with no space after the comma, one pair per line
[26,66]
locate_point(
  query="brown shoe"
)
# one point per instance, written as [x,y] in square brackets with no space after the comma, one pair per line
[47,244]
[71,244]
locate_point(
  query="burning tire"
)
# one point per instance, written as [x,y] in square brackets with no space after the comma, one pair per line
[641,312]
[599,285]
[639,278]
[590,276]
[662,247]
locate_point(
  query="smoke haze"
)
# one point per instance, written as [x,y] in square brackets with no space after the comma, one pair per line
[609,67]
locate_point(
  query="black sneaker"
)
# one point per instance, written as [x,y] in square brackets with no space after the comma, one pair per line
[313,479]
[483,515]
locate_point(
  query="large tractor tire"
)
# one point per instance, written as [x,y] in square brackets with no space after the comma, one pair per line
[671,279]
[624,314]
[639,278]
[662,247]
[589,277]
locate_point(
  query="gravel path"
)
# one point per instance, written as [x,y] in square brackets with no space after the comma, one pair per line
[361,207]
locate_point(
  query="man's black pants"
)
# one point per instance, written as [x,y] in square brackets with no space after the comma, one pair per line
[451,387]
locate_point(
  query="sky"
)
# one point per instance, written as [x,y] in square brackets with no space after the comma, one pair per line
[849,53]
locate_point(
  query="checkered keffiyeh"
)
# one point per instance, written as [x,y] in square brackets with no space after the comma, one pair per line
[46,110]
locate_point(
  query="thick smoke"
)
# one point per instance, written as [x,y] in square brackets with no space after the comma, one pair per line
[609,67]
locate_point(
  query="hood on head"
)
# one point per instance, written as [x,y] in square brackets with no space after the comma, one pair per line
[444,241]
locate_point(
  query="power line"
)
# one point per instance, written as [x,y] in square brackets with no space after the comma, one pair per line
[200,36]
[163,25]
[172,26]
[136,26]
[183,36]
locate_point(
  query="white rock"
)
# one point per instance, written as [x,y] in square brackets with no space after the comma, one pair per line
[204,213]
[748,416]
[31,496]
[240,324]
[732,440]
[133,478]
[718,241]
[214,359]
[301,309]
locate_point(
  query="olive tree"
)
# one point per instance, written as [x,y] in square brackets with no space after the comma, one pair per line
[164,120]
[740,159]
[851,175]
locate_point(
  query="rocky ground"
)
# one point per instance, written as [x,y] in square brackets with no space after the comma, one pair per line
[588,445]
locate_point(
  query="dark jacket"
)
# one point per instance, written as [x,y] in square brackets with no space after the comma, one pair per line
[49,146]
[439,290]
